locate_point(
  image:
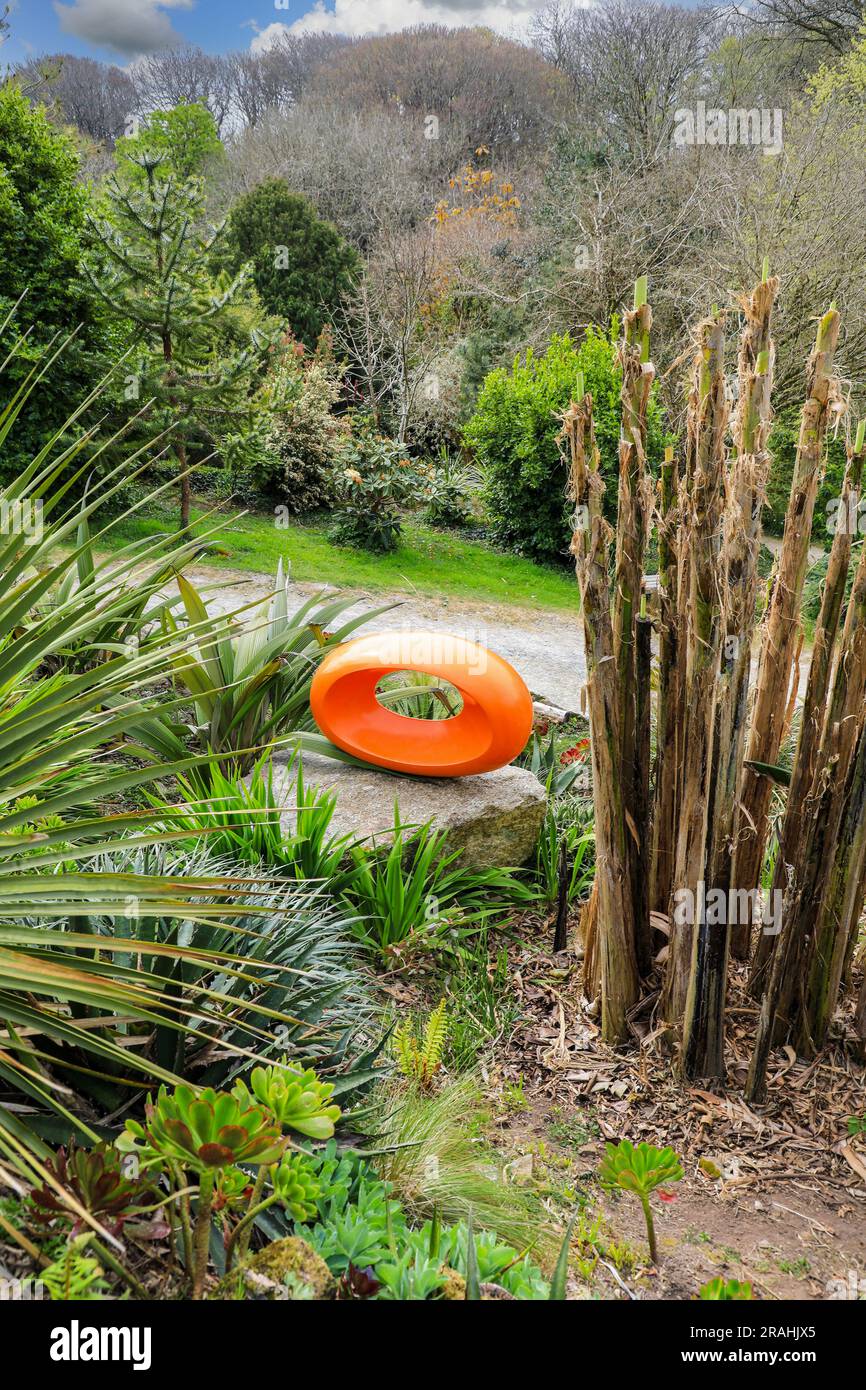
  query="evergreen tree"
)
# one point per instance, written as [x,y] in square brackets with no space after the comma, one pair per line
[302,267]
[150,264]
[42,222]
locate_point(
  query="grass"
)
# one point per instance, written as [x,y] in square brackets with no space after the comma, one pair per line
[427,561]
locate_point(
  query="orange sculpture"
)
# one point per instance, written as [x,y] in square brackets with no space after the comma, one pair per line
[490,730]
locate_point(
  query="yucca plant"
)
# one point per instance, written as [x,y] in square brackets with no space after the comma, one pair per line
[641,1169]
[117,600]
[62,1000]
[248,673]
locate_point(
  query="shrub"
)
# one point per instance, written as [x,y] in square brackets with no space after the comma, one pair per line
[373,479]
[513,437]
[303,435]
[42,216]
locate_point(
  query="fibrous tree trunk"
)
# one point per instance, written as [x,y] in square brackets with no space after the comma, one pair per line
[615,931]
[781,628]
[633,510]
[776,973]
[690,932]
[669,693]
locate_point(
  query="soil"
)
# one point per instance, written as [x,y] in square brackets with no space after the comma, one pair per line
[772,1195]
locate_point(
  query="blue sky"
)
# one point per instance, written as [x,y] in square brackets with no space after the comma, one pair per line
[119,30]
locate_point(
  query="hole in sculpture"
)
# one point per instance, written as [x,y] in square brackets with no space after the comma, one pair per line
[417,695]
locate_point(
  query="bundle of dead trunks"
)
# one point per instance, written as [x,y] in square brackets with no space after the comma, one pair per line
[696,839]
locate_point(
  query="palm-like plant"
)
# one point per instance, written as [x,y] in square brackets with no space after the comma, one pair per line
[250,680]
[62,1001]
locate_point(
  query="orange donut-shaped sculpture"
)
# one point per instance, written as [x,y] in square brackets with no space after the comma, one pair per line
[491,729]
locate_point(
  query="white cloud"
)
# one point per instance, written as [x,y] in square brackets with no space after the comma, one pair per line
[359,17]
[127,27]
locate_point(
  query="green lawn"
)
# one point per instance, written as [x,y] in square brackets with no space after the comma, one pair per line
[427,561]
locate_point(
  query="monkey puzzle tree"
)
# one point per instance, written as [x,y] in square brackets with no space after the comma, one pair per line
[150,263]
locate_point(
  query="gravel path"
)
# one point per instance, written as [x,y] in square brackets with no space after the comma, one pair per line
[545,647]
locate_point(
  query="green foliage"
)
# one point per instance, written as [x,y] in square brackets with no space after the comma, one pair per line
[241,818]
[725,1290]
[372,479]
[58,994]
[302,436]
[150,264]
[642,1170]
[42,219]
[249,683]
[183,139]
[420,1057]
[512,435]
[286,982]
[578,846]
[201,1130]
[783,447]
[481,1008]
[414,895]
[75,1278]
[301,265]
[449,492]
[297,1100]
[295,1186]
[857,1124]
[428,1147]
[115,603]
[359,1225]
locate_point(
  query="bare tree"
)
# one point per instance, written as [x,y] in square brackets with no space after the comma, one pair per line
[832,22]
[628,62]
[98,98]
[277,77]
[184,75]
[500,93]
[390,349]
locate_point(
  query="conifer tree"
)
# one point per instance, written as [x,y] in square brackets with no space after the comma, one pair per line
[150,263]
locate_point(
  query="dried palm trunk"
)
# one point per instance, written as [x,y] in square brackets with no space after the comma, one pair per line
[814,707]
[741,545]
[836,932]
[633,507]
[782,621]
[798,867]
[708,415]
[669,693]
[615,934]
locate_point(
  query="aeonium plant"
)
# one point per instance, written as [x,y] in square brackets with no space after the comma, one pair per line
[641,1169]
[297,1100]
[201,1132]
